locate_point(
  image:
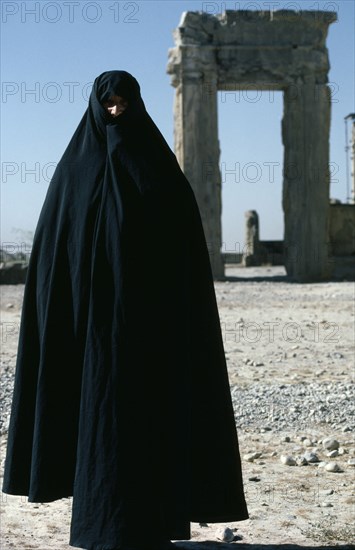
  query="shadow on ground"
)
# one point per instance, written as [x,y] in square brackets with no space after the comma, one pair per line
[257,278]
[278,279]
[213,545]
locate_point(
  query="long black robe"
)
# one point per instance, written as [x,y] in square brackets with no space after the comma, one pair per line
[121,395]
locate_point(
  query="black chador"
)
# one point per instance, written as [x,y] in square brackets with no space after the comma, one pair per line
[121,395]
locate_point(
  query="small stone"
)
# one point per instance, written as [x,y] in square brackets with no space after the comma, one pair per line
[326,504]
[288,460]
[254,478]
[342,451]
[311,457]
[307,442]
[327,492]
[322,464]
[9,306]
[301,461]
[330,444]
[351,462]
[226,534]
[332,467]
[249,457]
[333,454]
[287,439]
[258,454]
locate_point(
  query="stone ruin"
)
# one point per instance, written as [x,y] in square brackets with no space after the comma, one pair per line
[264,50]
[341,243]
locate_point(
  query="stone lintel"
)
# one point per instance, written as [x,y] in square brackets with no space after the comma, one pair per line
[259,28]
[239,67]
[243,46]
[230,17]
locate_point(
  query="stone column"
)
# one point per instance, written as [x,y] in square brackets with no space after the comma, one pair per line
[250,256]
[178,119]
[197,150]
[305,135]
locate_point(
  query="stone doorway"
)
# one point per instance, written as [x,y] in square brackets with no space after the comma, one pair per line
[281,50]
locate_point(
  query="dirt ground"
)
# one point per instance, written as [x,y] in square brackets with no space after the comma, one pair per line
[275,332]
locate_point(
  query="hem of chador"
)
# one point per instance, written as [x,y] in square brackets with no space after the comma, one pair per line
[88,546]
[181,533]
[74,544]
[101,546]
[34,498]
[195,519]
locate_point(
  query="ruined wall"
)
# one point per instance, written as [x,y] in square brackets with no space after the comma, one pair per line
[279,50]
[342,230]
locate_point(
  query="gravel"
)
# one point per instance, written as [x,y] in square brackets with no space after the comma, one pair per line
[267,407]
[260,407]
[293,396]
[6,388]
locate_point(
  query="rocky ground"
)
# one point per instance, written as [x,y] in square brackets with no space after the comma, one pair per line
[290,355]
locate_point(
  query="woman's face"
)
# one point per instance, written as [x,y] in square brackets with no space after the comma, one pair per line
[115,105]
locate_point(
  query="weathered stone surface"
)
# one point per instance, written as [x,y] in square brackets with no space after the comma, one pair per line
[330,443]
[305,135]
[250,256]
[332,467]
[270,50]
[342,229]
[288,460]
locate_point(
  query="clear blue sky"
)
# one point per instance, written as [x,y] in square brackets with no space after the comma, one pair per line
[58,50]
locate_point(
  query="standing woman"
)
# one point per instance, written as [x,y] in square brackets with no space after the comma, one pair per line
[121,394]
